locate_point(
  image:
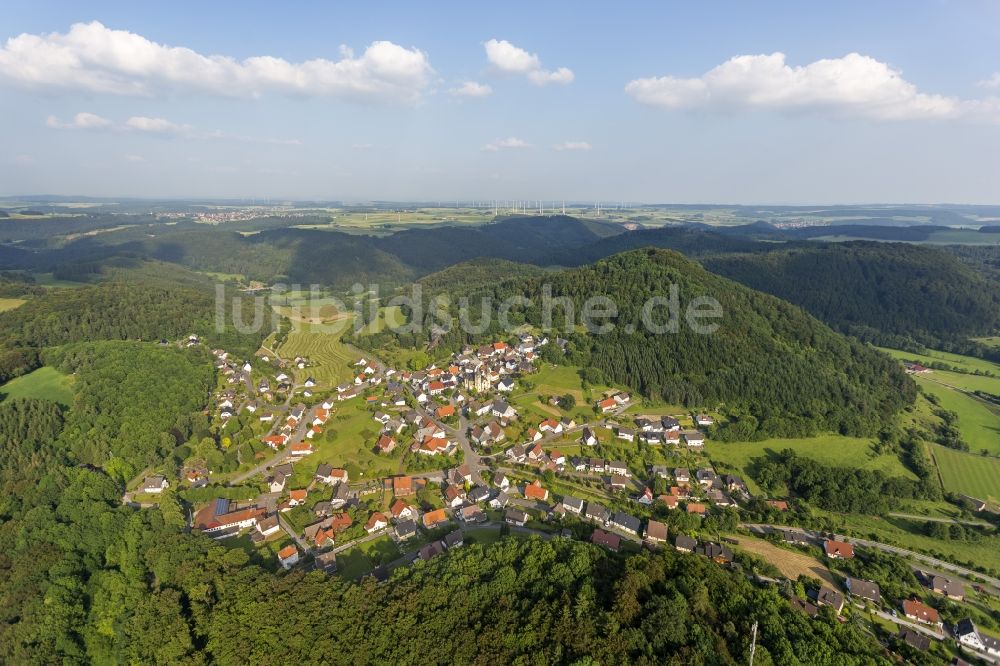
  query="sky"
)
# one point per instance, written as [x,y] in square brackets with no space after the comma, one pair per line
[722,102]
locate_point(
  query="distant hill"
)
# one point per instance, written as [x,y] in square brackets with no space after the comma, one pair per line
[521,239]
[478,273]
[861,287]
[687,240]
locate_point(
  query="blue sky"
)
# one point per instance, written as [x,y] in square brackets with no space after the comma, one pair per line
[655,102]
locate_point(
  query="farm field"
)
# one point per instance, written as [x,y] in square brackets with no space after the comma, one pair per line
[964,381]
[792,564]
[11,303]
[330,358]
[835,450]
[967,363]
[46,383]
[978,422]
[968,473]
[989,342]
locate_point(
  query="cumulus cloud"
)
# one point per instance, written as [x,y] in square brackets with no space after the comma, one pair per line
[472,89]
[98,59]
[992,82]
[82,120]
[504,144]
[156,126]
[572,145]
[510,59]
[854,84]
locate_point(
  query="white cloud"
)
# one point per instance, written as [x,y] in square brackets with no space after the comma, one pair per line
[542,77]
[992,82]
[135,158]
[158,126]
[472,89]
[572,145]
[97,59]
[503,144]
[82,120]
[510,59]
[855,84]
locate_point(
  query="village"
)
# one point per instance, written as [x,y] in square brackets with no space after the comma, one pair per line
[473,467]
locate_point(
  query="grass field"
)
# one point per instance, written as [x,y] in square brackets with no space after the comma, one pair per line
[964,381]
[330,358]
[555,380]
[792,564]
[989,342]
[978,422]
[967,363]
[11,303]
[362,559]
[909,534]
[48,280]
[833,450]
[347,441]
[968,473]
[45,384]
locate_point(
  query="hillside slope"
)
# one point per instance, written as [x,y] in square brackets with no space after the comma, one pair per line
[774,368]
[866,288]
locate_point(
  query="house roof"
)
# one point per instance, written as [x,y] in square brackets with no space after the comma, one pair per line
[287,552]
[920,611]
[606,539]
[685,542]
[656,530]
[534,490]
[435,517]
[516,515]
[398,507]
[625,521]
[830,597]
[915,639]
[865,589]
[374,519]
[839,549]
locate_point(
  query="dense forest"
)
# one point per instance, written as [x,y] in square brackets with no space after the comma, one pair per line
[872,289]
[841,489]
[476,273]
[139,301]
[775,370]
[134,402]
[85,579]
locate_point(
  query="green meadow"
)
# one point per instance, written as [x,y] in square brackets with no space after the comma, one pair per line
[44,384]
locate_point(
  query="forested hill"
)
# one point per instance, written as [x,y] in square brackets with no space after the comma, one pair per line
[775,369]
[868,289]
[85,579]
[686,240]
[477,273]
